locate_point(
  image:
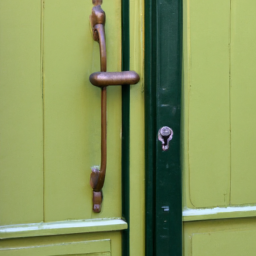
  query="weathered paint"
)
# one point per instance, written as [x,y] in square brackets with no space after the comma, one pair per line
[61,227]
[218,213]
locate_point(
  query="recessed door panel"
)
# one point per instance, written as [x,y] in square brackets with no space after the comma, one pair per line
[72,110]
[86,248]
[243,104]
[207,102]
[21,118]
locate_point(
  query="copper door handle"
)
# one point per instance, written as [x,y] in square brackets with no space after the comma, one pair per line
[102,80]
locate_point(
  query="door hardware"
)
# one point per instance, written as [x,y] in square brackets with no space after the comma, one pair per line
[103,79]
[165,135]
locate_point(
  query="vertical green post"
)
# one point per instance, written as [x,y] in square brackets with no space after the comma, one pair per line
[150,123]
[163,21]
[125,128]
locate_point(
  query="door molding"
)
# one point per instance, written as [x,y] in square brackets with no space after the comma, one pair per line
[61,228]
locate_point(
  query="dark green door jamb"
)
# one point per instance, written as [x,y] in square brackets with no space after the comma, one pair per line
[125,128]
[163,55]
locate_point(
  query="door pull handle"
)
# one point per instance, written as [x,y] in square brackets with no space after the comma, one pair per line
[102,80]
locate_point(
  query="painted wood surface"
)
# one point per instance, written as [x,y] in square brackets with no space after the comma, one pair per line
[218,97]
[72,111]
[218,128]
[66,108]
[93,248]
[88,248]
[220,237]
[49,146]
[137,130]
[21,122]
[207,103]
[61,228]
[243,104]
[90,243]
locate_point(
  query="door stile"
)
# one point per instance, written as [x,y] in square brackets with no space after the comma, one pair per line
[126,128]
[163,22]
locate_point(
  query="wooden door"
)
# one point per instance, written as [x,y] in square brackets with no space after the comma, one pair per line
[50,130]
[219,122]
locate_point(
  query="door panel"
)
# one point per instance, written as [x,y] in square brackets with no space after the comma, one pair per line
[243,104]
[21,129]
[88,248]
[207,124]
[90,243]
[224,243]
[219,124]
[220,237]
[50,122]
[219,104]
[72,111]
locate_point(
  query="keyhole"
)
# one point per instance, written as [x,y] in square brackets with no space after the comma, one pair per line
[165,135]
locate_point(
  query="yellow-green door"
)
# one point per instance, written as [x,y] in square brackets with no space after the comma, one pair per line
[50,130]
[219,192]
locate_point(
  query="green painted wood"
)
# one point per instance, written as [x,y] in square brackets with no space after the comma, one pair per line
[126,128]
[207,104]
[219,213]
[61,228]
[235,243]
[150,125]
[215,237]
[94,247]
[243,104]
[21,113]
[163,108]
[90,254]
[72,111]
[219,137]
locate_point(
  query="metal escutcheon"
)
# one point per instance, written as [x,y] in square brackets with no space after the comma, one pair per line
[165,135]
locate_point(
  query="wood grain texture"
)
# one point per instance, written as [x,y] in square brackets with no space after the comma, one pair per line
[243,104]
[72,111]
[21,119]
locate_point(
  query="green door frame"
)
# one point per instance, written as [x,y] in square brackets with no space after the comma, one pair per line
[126,128]
[163,80]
